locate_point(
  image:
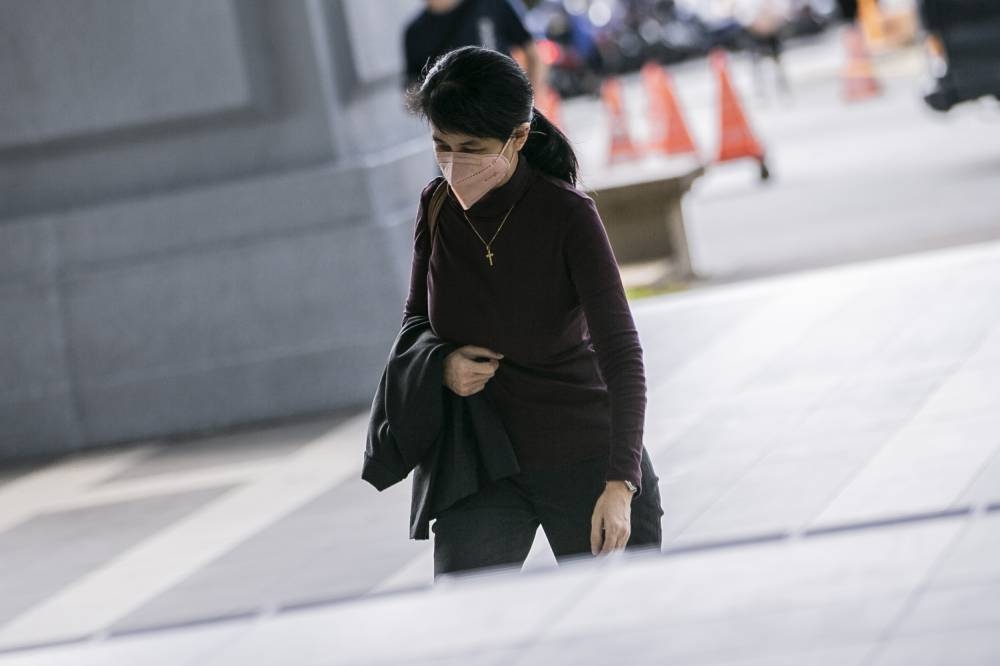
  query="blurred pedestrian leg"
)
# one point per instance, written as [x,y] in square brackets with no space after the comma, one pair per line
[763,22]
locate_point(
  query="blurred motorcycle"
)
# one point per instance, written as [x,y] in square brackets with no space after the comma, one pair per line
[568,46]
[963,48]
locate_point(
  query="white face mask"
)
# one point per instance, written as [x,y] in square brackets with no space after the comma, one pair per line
[472,176]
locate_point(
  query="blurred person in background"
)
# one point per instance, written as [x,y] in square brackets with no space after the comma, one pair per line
[444,25]
[519,275]
[763,22]
[753,26]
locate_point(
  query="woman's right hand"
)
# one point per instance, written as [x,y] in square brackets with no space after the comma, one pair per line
[468,368]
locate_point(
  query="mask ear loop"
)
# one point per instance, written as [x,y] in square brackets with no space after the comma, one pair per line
[507,143]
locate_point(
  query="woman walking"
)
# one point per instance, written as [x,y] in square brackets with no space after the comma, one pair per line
[519,274]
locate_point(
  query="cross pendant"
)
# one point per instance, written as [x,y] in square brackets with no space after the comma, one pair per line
[490,255]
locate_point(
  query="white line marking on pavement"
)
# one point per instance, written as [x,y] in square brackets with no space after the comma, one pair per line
[167,484]
[64,480]
[153,566]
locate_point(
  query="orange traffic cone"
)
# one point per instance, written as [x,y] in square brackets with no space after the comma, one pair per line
[871,20]
[858,75]
[670,132]
[622,149]
[736,140]
[550,104]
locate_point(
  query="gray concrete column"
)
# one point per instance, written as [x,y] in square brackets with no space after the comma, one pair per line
[206,213]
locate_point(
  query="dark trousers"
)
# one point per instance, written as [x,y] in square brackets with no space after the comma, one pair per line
[496,526]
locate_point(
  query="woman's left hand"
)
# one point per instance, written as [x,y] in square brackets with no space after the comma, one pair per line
[613,514]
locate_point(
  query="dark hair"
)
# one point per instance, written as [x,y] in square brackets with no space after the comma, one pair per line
[486,94]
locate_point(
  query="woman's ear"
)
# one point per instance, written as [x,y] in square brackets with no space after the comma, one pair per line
[521,134]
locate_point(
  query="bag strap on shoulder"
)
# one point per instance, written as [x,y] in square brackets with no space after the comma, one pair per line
[434,207]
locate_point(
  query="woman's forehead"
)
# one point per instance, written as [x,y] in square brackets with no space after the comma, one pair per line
[457,137]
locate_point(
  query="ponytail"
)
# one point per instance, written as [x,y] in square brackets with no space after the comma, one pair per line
[549,150]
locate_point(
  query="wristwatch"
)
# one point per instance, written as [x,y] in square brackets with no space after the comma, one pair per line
[631,486]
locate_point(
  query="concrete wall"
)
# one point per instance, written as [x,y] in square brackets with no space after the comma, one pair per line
[206,212]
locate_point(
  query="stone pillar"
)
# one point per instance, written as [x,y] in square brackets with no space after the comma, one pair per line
[206,212]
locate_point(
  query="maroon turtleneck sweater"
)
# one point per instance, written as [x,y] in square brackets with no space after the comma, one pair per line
[571,384]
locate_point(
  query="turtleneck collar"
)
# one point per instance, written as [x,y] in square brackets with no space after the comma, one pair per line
[498,201]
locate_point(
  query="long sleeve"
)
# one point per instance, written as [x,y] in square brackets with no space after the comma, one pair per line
[594,272]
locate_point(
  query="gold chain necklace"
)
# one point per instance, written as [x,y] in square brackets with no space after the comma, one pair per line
[489,251]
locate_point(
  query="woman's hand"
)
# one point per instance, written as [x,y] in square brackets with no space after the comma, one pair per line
[613,513]
[468,368]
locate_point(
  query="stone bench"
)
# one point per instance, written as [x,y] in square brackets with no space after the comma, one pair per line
[640,204]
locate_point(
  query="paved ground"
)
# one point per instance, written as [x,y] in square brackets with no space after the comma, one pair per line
[829,452]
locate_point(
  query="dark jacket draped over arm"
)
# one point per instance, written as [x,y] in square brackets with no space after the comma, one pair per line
[451,444]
